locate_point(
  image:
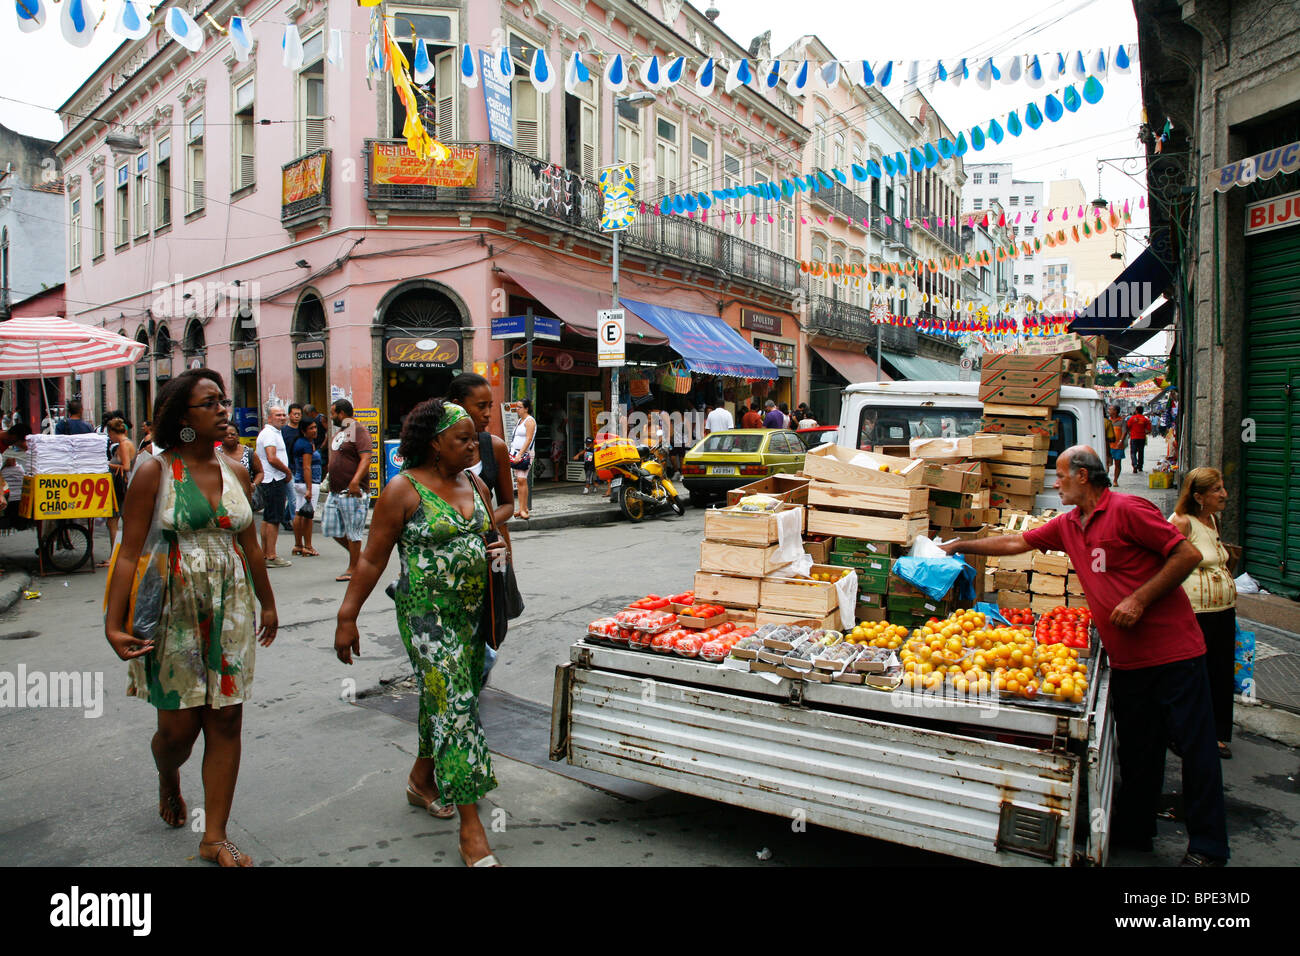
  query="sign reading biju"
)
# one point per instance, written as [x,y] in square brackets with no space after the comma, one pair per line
[67,496]
[394,164]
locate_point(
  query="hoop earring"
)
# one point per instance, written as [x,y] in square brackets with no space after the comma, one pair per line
[187,435]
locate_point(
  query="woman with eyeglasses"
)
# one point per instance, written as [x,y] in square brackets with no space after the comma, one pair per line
[196,663]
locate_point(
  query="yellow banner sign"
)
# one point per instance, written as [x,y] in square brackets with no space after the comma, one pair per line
[67,496]
[303,179]
[394,164]
[368,418]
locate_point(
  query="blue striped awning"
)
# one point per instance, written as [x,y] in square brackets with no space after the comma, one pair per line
[705,342]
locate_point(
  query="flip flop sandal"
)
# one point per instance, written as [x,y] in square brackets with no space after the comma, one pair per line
[344,577]
[309,553]
[443,811]
[489,860]
[229,847]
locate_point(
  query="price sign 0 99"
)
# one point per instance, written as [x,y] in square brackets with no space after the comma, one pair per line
[73,496]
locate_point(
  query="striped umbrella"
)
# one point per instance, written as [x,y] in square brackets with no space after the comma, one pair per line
[51,347]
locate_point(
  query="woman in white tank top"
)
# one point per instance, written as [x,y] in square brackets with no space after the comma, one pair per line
[521,456]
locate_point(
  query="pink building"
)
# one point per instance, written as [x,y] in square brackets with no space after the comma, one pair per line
[271,224]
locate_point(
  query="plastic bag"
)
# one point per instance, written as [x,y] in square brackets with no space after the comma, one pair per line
[937,576]
[789,536]
[924,547]
[1248,585]
[1243,663]
[149,580]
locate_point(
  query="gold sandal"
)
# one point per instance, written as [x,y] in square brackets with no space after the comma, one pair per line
[443,811]
[236,856]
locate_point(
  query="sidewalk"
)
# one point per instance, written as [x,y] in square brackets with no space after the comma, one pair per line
[563,505]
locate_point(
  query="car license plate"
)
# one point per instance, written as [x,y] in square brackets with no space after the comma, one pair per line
[616,483]
[722,470]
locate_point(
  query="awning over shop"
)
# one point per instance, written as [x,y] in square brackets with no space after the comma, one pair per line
[705,342]
[1128,340]
[1121,302]
[578,305]
[854,366]
[915,368]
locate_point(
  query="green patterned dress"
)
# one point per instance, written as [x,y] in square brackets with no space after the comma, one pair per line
[439,602]
[205,639]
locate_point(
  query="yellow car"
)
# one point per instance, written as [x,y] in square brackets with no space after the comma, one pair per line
[737,456]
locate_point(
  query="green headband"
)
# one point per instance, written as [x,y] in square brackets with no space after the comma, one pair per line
[451,414]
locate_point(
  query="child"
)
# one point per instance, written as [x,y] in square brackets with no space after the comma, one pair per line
[588,456]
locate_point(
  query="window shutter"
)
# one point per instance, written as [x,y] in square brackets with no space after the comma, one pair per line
[246,170]
[445,84]
[197,180]
[588,123]
[527,126]
[315,134]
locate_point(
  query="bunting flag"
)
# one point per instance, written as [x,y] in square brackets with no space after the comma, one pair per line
[78,22]
[575,74]
[616,73]
[31,15]
[291,46]
[705,78]
[651,73]
[335,53]
[468,67]
[132,20]
[240,39]
[540,72]
[421,66]
[182,28]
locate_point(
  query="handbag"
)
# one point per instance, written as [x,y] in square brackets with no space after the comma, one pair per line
[149,577]
[504,603]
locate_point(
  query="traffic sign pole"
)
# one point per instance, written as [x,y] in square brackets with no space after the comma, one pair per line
[528,352]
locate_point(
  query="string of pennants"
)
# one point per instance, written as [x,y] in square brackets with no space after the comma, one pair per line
[978,323]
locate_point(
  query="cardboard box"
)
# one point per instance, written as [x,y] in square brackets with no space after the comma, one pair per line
[800,595]
[898,530]
[744,527]
[1020,487]
[1050,584]
[871,600]
[1069,345]
[726,589]
[862,561]
[1073,585]
[1051,562]
[739,559]
[832,463]
[873,498]
[852,545]
[965,477]
[867,613]
[1016,503]
[923,606]
[969,446]
[957,517]
[1046,395]
[792,489]
[994,363]
[956,499]
[1042,603]
[819,547]
[1013,599]
[1011,580]
[1015,410]
[1010,425]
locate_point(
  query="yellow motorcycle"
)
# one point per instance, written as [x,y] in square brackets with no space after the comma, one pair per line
[637,476]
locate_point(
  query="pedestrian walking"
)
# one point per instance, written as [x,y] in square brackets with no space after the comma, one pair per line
[772,417]
[196,664]
[241,454]
[276,474]
[521,457]
[1211,589]
[121,459]
[1139,427]
[1116,439]
[344,515]
[306,479]
[289,432]
[752,418]
[1131,563]
[439,521]
[471,392]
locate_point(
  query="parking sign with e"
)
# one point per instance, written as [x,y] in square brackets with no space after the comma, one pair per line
[609,338]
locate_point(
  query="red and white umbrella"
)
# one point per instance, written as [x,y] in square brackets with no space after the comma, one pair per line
[51,347]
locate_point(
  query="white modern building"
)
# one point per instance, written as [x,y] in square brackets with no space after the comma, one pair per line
[990,183]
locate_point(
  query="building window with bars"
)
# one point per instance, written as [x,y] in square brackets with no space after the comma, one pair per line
[438,110]
[245,155]
[667,163]
[701,163]
[525,101]
[195,168]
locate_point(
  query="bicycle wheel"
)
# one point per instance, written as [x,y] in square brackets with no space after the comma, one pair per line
[67,548]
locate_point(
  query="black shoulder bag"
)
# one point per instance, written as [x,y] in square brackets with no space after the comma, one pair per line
[503,601]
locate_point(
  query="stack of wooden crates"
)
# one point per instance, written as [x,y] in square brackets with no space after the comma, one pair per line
[1020,394]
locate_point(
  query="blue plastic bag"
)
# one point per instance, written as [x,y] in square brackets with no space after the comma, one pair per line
[1243,663]
[937,576]
[991,613]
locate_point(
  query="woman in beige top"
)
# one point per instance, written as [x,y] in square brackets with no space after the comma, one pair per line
[1210,587]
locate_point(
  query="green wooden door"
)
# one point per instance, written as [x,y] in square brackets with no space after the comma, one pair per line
[1271,461]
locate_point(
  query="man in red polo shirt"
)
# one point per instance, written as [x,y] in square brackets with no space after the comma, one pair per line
[1139,427]
[1131,561]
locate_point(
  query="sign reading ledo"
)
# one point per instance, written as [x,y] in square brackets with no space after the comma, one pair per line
[422,353]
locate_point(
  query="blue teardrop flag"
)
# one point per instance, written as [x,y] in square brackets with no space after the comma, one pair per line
[976,138]
[859,173]
[1033,116]
[468,67]
[1071,98]
[945,148]
[995,131]
[918,160]
[931,156]
[1092,89]
[1013,124]
[960,148]
[1052,107]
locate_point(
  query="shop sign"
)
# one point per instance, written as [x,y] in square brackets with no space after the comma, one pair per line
[1265,165]
[245,361]
[310,355]
[516,327]
[496,102]
[760,322]
[303,179]
[780,354]
[369,419]
[142,371]
[422,353]
[558,360]
[395,164]
[1277,213]
[162,369]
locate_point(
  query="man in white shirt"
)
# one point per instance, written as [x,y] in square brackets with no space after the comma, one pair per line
[276,476]
[718,419]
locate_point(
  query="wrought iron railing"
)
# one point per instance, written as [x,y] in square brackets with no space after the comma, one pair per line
[830,316]
[930,222]
[529,187]
[318,202]
[841,199]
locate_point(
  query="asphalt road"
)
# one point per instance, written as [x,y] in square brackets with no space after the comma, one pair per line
[323,772]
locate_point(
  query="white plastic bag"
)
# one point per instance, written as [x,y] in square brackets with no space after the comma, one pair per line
[846,589]
[1248,585]
[924,547]
[789,536]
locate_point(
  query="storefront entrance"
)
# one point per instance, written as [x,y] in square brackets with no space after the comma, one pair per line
[310,352]
[247,413]
[422,350]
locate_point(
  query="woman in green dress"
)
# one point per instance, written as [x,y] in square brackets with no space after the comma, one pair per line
[196,666]
[434,514]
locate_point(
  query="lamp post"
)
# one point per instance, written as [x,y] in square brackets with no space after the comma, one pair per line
[637,101]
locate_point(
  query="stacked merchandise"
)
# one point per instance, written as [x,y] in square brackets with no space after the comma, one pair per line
[1020,394]
[1083,348]
[67,454]
[1038,581]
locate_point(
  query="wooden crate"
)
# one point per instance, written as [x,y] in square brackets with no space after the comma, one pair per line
[792,489]
[1032,442]
[731,590]
[1010,580]
[1022,456]
[964,478]
[1017,487]
[800,595]
[995,410]
[1050,562]
[874,498]
[1073,585]
[832,463]
[819,547]
[901,530]
[1014,599]
[775,616]
[744,527]
[741,615]
[968,446]
[1049,584]
[1042,603]
[1012,470]
[738,559]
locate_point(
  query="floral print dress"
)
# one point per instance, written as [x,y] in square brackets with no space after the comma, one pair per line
[439,604]
[205,638]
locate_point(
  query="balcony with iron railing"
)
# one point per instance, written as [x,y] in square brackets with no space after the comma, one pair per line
[929,221]
[500,178]
[841,199]
[885,230]
[305,189]
[828,315]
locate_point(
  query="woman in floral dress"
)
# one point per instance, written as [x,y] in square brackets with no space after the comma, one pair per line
[435,516]
[196,664]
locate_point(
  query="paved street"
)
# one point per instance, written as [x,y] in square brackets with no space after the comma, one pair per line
[322,777]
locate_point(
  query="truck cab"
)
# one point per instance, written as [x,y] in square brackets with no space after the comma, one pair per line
[893,413]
